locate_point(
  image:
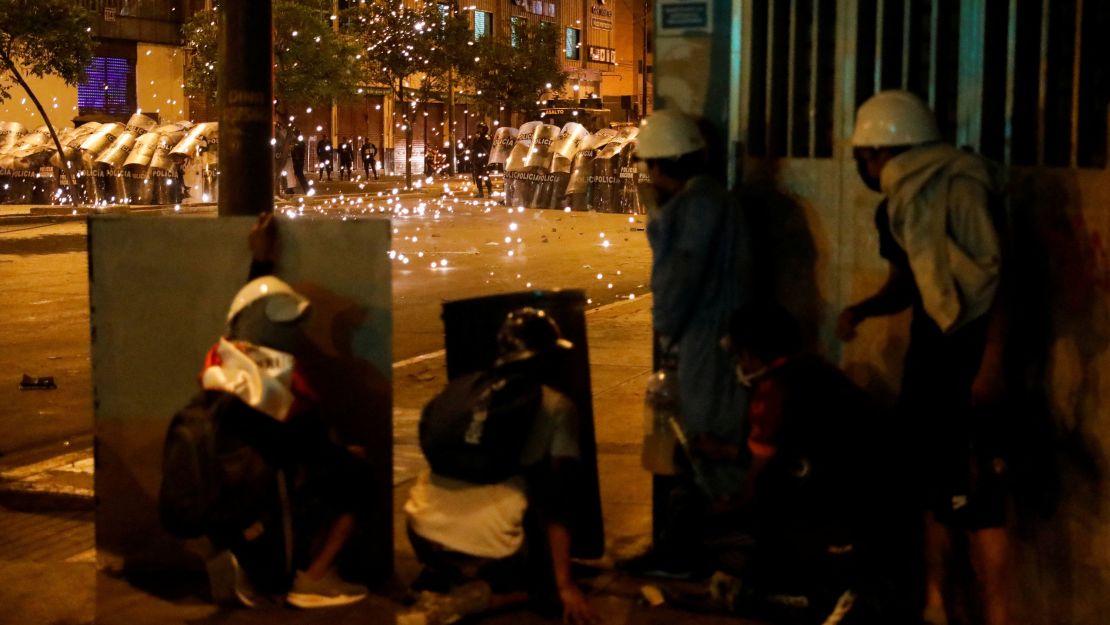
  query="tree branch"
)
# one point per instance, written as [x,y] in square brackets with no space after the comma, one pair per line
[49,126]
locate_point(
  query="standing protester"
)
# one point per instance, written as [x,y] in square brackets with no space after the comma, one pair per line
[346,158]
[480,146]
[490,520]
[298,155]
[324,156]
[369,152]
[937,233]
[699,247]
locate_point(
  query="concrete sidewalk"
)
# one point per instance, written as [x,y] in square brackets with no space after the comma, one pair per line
[47,561]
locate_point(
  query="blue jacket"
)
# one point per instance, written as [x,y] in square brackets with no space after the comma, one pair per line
[700,263]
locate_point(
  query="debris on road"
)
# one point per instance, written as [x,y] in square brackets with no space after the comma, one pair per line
[45,383]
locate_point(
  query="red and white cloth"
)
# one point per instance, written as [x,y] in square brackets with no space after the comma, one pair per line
[265,379]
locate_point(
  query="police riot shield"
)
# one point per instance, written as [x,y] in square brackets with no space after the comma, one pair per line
[200,148]
[169,136]
[523,144]
[578,185]
[515,193]
[630,191]
[572,138]
[71,144]
[143,151]
[139,124]
[604,182]
[114,155]
[136,169]
[537,182]
[503,141]
[196,141]
[10,132]
[32,157]
[98,141]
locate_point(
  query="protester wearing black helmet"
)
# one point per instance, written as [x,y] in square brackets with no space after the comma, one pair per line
[489,520]
[480,146]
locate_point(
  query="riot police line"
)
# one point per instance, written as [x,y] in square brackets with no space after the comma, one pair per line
[550,167]
[140,162]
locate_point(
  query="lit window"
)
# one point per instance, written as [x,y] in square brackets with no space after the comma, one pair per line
[483,24]
[108,87]
[572,38]
[515,26]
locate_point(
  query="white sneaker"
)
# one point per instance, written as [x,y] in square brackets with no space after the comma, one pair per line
[328,591]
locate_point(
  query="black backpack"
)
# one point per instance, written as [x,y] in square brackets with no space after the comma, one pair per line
[475,429]
[220,468]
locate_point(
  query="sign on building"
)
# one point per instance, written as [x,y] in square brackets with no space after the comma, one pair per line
[681,17]
[598,54]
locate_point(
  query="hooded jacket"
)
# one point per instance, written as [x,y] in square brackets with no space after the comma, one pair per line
[938,202]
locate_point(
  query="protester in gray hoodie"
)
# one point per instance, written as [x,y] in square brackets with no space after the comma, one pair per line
[936,230]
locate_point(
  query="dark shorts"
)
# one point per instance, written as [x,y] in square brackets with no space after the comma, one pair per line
[445,569]
[959,468]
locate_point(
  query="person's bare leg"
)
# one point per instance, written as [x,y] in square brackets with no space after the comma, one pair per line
[937,551]
[333,542]
[990,557]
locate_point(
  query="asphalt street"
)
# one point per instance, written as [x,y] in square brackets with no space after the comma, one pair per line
[443,249]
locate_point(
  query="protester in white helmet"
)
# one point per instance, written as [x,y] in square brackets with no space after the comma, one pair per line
[264,360]
[936,231]
[699,246]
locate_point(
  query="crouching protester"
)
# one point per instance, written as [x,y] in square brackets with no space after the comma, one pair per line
[489,520]
[250,464]
[804,500]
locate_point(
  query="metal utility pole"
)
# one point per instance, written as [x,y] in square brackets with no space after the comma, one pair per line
[643,60]
[334,104]
[245,94]
[451,118]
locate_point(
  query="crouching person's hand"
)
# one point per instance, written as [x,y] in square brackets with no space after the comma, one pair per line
[576,610]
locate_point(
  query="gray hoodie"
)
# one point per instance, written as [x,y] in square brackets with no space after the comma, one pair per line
[938,201]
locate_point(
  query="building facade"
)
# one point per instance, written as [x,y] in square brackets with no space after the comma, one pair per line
[138,66]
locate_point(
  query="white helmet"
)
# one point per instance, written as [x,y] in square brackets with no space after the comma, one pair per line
[282,302]
[894,117]
[668,134]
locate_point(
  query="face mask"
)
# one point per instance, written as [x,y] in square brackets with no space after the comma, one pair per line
[872,182]
[747,379]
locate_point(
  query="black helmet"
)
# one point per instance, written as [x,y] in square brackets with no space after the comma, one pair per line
[526,333]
